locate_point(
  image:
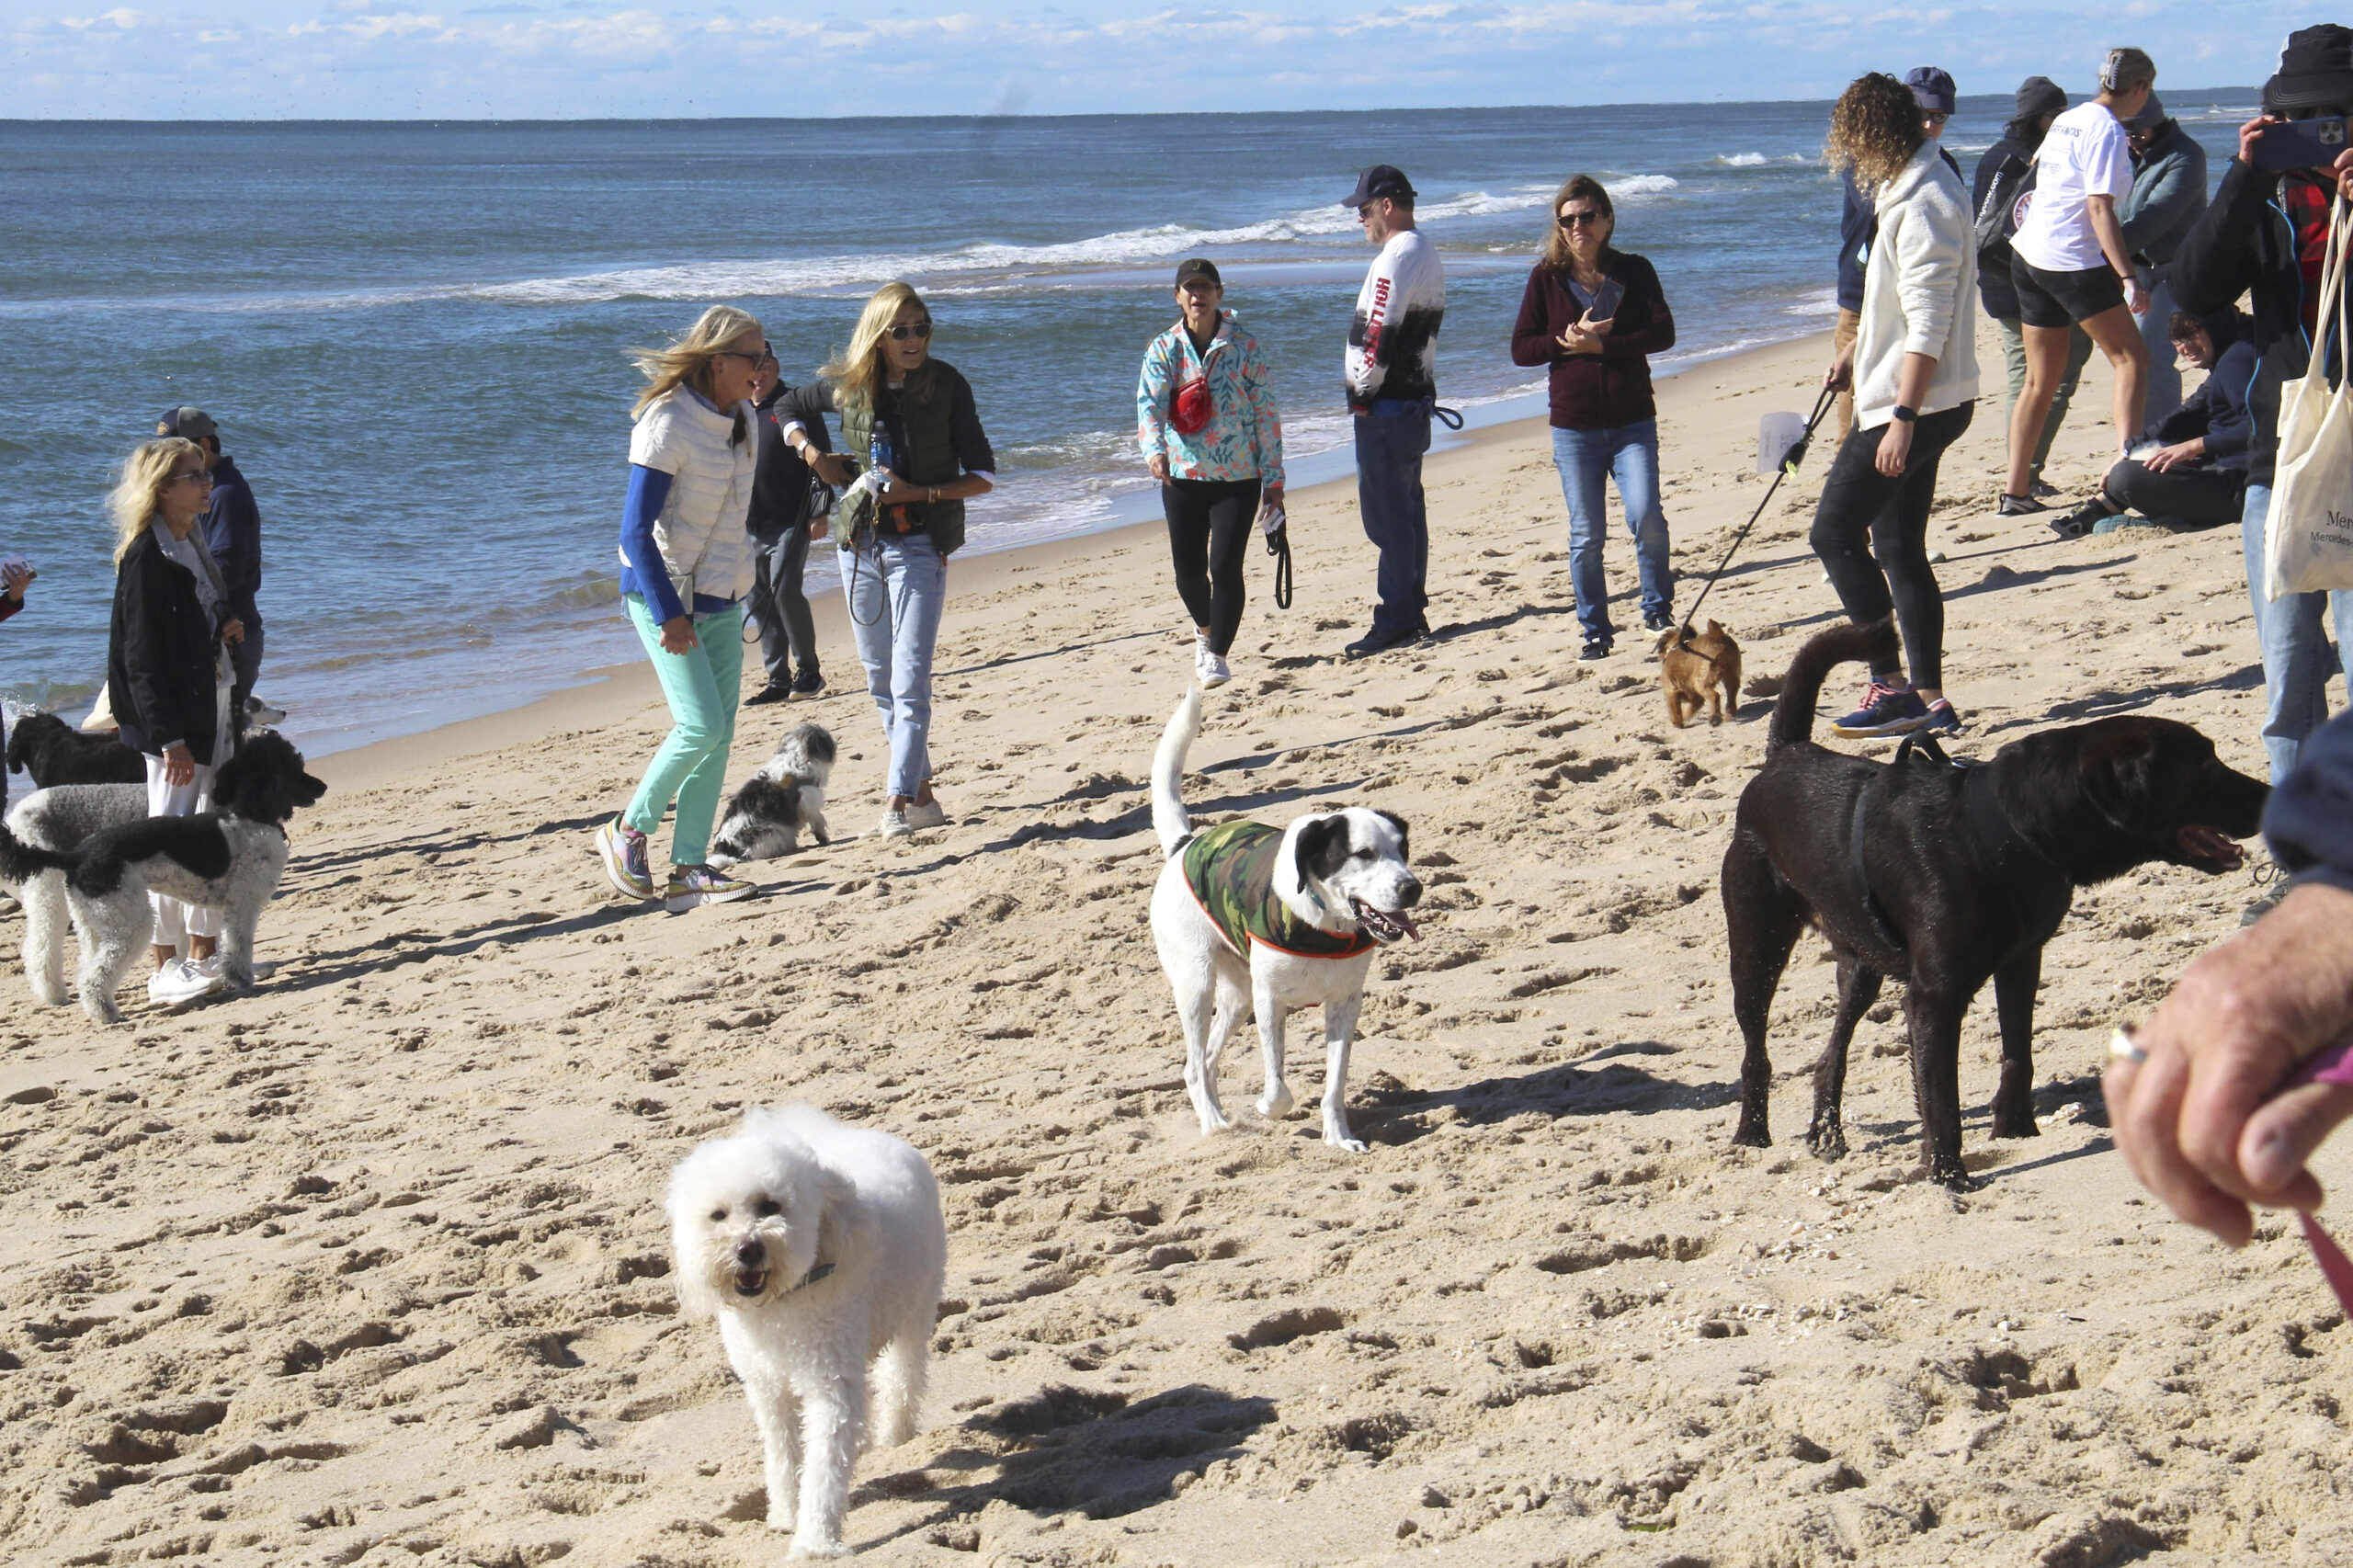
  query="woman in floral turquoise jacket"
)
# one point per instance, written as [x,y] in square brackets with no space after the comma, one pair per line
[1206,420]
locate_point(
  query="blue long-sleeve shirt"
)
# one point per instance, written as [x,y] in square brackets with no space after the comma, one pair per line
[2218,410]
[2309,822]
[232,533]
[642,571]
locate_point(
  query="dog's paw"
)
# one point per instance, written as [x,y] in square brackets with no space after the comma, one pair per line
[1952,1176]
[1751,1135]
[1276,1103]
[1340,1138]
[1215,1122]
[1828,1141]
[803,1548]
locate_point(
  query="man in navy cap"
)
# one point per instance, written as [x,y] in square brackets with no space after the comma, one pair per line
[1391,370]
[231,525]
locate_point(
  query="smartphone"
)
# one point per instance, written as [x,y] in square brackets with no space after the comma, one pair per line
[2300,144]
[1607,299]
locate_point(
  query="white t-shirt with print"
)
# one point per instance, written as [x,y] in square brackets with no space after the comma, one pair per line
[2084,154]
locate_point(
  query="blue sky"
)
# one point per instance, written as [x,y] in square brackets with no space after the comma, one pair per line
[269,59]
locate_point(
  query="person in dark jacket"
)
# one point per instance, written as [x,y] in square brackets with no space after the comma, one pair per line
[781,520]
[2168,193]
[14,577]
[2263,236]
[2195,1098]
[2039,101]
[231,525]
[1934,91]
[1596,315]
[2197,476]
[168,675]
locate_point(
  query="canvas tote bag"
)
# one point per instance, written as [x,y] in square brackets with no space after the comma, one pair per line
[2308,536]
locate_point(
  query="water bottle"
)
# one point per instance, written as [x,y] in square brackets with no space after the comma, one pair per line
[877,450]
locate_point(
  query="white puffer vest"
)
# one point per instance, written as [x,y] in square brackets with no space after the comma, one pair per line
[701,529]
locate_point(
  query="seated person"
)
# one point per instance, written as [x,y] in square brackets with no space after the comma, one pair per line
[2195,476]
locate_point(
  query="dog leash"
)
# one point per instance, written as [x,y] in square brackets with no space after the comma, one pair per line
[1790,460]
[2333,1065]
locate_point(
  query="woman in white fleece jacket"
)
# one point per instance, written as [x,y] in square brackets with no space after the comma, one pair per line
[1913,370]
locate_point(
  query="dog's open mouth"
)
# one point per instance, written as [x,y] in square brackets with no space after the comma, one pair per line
[2209,850]
[751,1281]
[1384,925]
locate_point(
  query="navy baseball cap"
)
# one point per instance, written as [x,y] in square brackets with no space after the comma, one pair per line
[188,424]
[1379,181]
[1932,89]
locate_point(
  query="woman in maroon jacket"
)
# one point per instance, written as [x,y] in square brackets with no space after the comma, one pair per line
[1595,316]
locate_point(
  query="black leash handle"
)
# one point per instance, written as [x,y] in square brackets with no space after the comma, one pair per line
[1278,546]
[1790,461]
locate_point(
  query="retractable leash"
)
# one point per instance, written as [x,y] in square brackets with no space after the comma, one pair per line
[1790,460]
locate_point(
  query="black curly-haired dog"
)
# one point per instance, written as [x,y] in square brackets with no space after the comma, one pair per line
[54,752]
[1944,877]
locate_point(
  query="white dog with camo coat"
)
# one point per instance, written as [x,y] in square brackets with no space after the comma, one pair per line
[1267,920]
[820,1250]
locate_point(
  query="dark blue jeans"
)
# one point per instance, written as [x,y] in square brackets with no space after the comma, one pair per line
[1389,496]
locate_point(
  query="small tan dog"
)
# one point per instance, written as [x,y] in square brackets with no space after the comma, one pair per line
[1692,672]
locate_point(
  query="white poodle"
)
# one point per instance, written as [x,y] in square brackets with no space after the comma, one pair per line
[819,1248]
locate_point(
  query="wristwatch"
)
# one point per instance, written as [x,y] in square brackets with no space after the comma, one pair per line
[1905,416]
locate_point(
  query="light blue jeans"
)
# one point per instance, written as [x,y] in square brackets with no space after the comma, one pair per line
[2156,335]
[1628,453]
[2297,658]
[703,686]
[896,589]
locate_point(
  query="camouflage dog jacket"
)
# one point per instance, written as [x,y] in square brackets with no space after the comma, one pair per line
[1231,870]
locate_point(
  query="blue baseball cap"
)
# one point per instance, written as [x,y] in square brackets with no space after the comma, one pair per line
[1932,88]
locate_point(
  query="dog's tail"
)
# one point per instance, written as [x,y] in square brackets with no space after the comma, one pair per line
[1801,688]
[21,862]
[1168,818]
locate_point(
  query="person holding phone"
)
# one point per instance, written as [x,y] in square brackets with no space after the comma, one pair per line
[1914,368]
[2071,267]
[2264,235]
[16,574]
[1596,315]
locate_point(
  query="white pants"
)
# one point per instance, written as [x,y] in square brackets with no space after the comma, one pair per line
[176,921]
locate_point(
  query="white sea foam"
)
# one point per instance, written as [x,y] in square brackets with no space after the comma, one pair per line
[1741,160]
[1639,185]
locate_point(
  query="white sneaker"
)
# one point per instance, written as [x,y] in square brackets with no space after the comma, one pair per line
[1215,670]
[260,712]
[180,981]
[895,825]
[925,813]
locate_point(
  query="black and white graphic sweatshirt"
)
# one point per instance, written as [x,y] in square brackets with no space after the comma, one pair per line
[1393,344]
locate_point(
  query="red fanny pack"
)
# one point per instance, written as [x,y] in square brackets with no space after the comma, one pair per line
[1191,411]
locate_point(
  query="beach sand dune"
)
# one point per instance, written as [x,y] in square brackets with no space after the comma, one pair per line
[368,1267]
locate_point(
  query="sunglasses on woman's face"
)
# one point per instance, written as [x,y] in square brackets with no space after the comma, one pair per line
[762,358]
[190,473]
[1570,220]
[902,331]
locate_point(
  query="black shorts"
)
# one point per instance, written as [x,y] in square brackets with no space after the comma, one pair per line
[2063,298]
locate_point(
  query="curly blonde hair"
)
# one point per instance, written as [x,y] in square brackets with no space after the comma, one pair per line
[138,494]
[858,372]
[687,361]
[1874,130]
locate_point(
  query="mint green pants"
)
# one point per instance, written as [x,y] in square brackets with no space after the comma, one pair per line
[703,686]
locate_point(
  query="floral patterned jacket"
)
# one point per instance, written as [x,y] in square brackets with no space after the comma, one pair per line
[1244,439]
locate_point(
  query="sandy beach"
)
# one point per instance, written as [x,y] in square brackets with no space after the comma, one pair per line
[369,1267]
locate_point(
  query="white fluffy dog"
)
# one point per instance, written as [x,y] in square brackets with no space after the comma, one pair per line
[1250,917]
[786,794]
[820,1248]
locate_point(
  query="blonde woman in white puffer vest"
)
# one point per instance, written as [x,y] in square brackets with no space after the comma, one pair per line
[687,565]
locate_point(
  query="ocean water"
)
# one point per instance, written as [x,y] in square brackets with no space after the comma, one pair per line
[415,335]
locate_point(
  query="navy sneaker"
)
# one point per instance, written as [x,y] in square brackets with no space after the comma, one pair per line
[1380,642]
[1659,620]
[1941,720]
[1596,648]
[1883,711]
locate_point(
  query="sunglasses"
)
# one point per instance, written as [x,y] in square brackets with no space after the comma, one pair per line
[1572,220]
[902,331]
[1933,117]
[191,473]
[762,358]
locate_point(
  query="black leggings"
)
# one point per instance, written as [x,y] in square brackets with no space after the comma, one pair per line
[1858,502]
[1209,529]
[2203,497]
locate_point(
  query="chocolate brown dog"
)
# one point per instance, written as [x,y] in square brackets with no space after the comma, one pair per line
[1693,671]
[1944,877]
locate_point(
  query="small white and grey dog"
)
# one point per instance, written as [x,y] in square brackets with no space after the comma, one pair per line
[228,859]
[1253,918]
[786,794]
[821,1249]
[60,818]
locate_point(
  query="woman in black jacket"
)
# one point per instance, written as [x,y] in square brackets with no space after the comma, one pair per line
[168,675]
[1595,316]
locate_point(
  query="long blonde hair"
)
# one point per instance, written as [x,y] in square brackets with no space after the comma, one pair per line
[138,496]
[687,361]
[858,372]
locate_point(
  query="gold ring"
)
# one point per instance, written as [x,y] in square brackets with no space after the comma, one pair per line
[2122,1047]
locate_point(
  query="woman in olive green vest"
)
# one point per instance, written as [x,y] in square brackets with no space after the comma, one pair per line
[909,420]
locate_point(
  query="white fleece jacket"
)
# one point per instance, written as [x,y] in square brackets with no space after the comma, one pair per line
[1920,291]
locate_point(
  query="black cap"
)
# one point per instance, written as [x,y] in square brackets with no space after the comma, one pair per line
[1198,267]
[2315,71]
[1932,88]
[1377,182]
[2039,96]
[190,424]
[2151,115]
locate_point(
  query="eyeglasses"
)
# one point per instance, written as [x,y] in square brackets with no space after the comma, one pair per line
[762,358]
[191,473]
[1933,119]
[1570,220]
[902,331]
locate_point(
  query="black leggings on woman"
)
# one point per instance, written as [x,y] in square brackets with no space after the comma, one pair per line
[1209,529]
[1859,502]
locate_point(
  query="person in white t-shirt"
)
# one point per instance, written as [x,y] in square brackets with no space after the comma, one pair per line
[2070,267]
